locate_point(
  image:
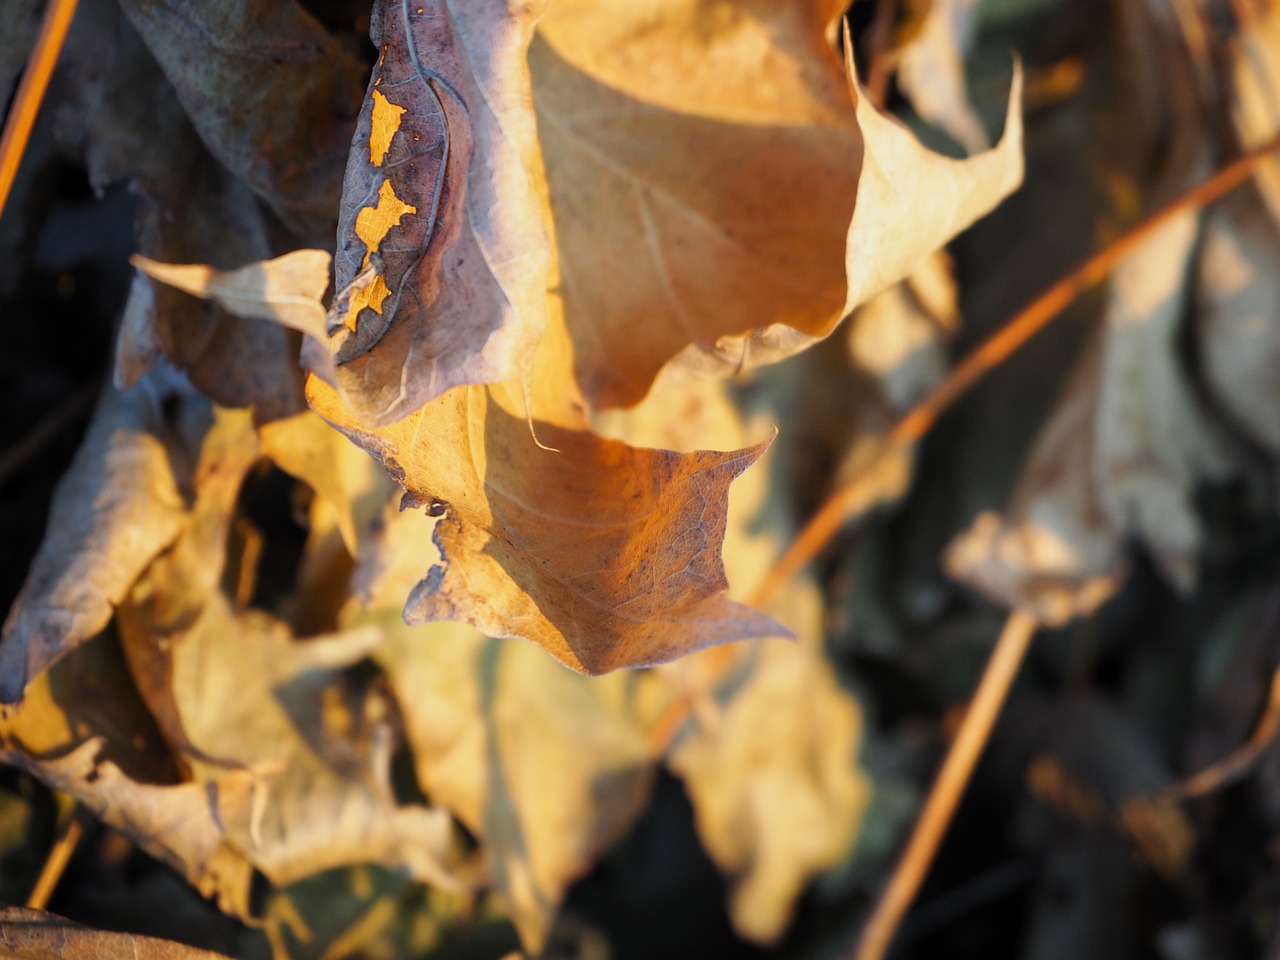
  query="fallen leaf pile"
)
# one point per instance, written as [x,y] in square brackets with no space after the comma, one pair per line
[400,585]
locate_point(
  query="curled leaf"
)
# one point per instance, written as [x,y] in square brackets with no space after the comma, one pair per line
[252,127]
[116,508]
[606,555]
[1117,460]
[912,201]
[547,768]
[727,198]
[441,269]
[286,289]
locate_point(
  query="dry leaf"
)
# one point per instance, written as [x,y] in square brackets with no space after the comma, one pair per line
[931,72]
[239,694]
[81,729]
[126,119]
[1236,297]
[442,258]
[606,555]
[771,765]
[181,825]
[727,197]
[1118,459]
[36,935]
[909,203]
[774,782]
[545,767]
[286,290]
[284,138]
[117,507]
[912,201]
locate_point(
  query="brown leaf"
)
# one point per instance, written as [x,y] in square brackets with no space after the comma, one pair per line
[284,138]
[909,203]
[82,730]
[36,935]
[771,765]
[606,555]
[726,197]
[547,768]
[1117,460]
[442,258]
[117,507]
[125,117]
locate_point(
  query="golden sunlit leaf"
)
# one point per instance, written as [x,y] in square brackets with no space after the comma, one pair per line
[727,198]
[771,761]
[606,555]
[912,201]
[545,767]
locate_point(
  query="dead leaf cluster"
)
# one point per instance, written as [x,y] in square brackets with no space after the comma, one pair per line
[277,634]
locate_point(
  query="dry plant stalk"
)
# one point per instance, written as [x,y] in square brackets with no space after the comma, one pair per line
[26,102]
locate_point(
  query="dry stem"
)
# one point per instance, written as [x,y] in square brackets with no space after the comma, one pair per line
[941,803]
[1033,318]
[35,80]
[59,855]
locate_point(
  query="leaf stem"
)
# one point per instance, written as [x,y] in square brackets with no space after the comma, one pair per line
[1236,764]
[35,80]
[953,777]
[1240,761]
[1001,345]
[59,856]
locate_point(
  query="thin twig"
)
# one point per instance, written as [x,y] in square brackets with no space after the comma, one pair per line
[59,856]
[1029,321]
[35,80]
[1034,317]
[941,803]
[1238,763]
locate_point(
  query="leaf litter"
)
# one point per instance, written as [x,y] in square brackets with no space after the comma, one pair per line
[279,624]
